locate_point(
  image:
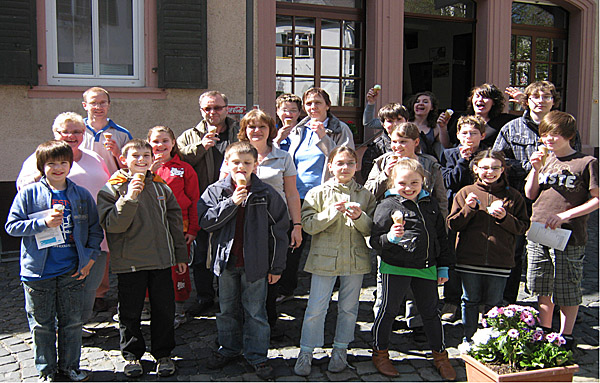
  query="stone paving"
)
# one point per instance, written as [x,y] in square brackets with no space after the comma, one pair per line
[196,339]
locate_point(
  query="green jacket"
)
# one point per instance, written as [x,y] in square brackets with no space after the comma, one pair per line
[338,244]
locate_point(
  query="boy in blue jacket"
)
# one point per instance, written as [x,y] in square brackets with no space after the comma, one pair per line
[53,276]
[248,221]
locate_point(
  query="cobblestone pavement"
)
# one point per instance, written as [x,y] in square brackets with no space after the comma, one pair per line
[196,339]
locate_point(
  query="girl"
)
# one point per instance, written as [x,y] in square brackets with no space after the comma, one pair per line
[182,179]
[423,109]
[487,217]
[414,254]
[338,216]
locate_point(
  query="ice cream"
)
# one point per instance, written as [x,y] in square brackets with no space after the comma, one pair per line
[544,150]
[58,208]
[141,177]
[377,88]
[448,113]
[394,158]
[212,129]
[494,205]
[240,179]
[398,217]
[350,206]
[107,136]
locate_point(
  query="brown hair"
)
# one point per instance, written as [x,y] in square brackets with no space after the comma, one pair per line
[542,86]
[490,91]
[559,123]
[136,143]
[339,150]
[165,129]
[405,164]
[496,155]
[53,150]
[474,121]
[288,97]
[257,114]
[433,113]
[317,91]
[241,147]
[393,111]
[96,89]
[406,129]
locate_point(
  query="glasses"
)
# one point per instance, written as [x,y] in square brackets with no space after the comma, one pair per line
[101,104]
[492,168]
[543,98]
[67,133]
[289,110]
[217,109]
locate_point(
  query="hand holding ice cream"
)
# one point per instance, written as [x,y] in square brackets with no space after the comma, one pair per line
[55,218]
[496,209]
[136,185]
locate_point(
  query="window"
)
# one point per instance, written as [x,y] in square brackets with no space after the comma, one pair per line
[444,8]
[95,42]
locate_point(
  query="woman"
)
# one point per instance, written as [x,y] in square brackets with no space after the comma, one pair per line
[423,110]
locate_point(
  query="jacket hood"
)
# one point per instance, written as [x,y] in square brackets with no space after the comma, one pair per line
[121,176]
[393,192]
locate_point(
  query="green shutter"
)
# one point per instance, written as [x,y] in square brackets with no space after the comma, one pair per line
[182,44]
[18,44]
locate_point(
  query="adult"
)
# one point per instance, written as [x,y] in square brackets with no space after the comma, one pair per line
[203,147]
[423,111]
[289,107]
[89,171]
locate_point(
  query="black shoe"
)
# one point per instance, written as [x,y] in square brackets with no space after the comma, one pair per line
[200,308]
[100,305]
[418,334]
[264,371]
[218,361]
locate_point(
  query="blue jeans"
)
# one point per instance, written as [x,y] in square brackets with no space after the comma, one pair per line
[478,290]
[50,303]
[242,322]
[92,281]
[313,327]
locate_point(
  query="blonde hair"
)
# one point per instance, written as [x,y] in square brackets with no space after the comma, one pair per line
[405,164]
[67,117]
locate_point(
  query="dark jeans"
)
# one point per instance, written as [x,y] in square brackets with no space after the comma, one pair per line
[132,291]
[453,288]
[394,287]
[203,276]
[478,290]
[511,291]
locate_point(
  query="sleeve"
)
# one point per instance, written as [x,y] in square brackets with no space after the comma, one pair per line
[344,138]
[364,223]
[116,212]
[377,180]
[280,226]
[382,222]
[191,148]
[315,216]
[28,173]
[516,221]
[461,213]
[18,224]
[192,191]
[213,214]
[593,174]
[445,257]
[455,171]
[518,169]
[369,121]
[439,190]
[289,167]
[95,233]
[176,226]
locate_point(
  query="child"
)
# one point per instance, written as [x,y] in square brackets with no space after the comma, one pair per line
[183,181]
[487,216]
[457,174]
[564,185]
[53,277]
[333,214]
[248,222]
[144,229]
[414,254]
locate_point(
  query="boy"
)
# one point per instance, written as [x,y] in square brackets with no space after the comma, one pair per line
[144,230]
[248,221]
[53,277]
[456,171]
[564,185]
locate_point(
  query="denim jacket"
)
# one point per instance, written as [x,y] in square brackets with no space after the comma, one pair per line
[36,197]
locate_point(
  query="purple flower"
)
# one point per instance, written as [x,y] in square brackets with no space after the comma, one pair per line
[538,335]
[509,313]
[513,333]
[527,318]
[484,323]
[561,340]
[550,338]
[493,312]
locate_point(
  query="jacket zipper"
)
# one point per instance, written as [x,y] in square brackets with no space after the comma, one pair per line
[487,242]
[426,232]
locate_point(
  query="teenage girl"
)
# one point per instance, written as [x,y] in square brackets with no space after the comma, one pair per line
[338,216]
[487,217]
[182,179]
[414,254]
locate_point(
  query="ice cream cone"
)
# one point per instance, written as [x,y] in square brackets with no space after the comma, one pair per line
[398,217]
[58,208]
[240,179]
[544,151]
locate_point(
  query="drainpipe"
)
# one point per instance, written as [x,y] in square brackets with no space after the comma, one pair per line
[249,55]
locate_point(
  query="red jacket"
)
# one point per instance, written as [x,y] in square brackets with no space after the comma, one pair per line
[182,179]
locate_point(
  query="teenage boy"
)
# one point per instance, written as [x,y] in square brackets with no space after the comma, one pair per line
[564,184]
[248,221]
[53,276]
[144,229]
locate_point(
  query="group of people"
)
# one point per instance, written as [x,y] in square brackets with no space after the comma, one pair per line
[239,202]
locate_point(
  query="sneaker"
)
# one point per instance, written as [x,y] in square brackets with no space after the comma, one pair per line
[264,371]
[46,378]
[133,369]
[449,312]
[86,333]
[76,375]
[145,314]
[179,320]
[218,361]
[304,363]
[283,298]
[165,367]
[338,361]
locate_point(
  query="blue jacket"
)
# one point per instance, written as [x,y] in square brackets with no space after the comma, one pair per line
[265,227]
[37,197]
[456,172]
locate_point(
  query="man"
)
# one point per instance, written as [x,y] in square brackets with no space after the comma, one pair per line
[203,147]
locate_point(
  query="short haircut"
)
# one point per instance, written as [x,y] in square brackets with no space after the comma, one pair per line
[393,111]
[341,149]
[136,143]
[165,129]
[53,150]
[433,113]
[288,97]
[213,93]
[405,164]
[474,121]
[317,91]
[542,86]
[96,89]
[559,123]
[251,116]
[241,147]
[406,129]
[67,117]
[490,91]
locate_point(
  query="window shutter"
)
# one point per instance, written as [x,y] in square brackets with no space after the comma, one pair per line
[18,43]
[182,44]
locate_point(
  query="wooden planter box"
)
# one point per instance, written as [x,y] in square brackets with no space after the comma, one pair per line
[479,372]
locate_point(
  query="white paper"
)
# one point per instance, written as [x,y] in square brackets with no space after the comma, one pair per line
[52,236]
[556,239]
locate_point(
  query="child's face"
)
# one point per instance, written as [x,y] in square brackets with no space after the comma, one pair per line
[288,111]
[257,131]
[138,160]
[162,144]
[343,167]
[488,170]
[481,104]
[556,143]
[241,163]
[403,146]
[423,106]
[540,102]
[388,123]
[96,105]
[469,136]
[56,170]
[408,183]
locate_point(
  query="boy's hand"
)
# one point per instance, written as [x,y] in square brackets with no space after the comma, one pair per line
[111,146]
[209,140]
[465,152]
[189,238]
[272,278]
[181,268]
[55,219]
[239,195]
[397,230]
[498,212]
[353,212]
[134,188]
[372,96]
[536,160]
[442,280]
[85,271]
[296,237]
[318,128]
[472,200]
[284,132]
[554,221]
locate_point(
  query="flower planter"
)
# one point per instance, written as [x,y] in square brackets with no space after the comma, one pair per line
[479,372]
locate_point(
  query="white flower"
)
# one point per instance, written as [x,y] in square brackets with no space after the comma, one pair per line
[482,336]
[465,347]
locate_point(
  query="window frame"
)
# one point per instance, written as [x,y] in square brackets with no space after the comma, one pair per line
[54,78]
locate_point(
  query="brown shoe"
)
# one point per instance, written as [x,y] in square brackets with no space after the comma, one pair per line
[442,363]
[381,360]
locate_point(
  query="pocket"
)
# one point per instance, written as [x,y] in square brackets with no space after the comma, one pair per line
[324,259]
[575,262]
[38,299]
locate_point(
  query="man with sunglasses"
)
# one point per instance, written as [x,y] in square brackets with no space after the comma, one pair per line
[203,147]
